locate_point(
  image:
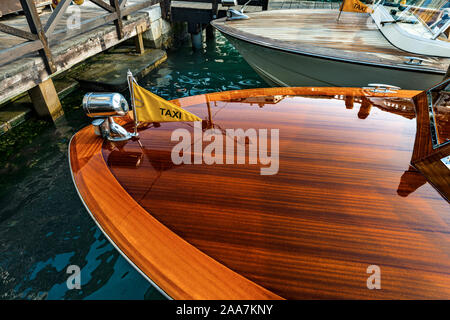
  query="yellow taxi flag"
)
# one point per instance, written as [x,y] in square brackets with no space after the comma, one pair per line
[355,6]
[152,108]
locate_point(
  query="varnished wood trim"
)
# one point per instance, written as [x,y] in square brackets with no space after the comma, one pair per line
[179,269]
[310,91]
[435,171]
[107,236]
[423,146]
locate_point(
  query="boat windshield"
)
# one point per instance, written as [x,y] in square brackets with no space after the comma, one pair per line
[425,18]
[439,110]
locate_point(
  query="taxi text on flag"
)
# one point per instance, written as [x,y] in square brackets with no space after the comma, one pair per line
[355,6]
[151,108]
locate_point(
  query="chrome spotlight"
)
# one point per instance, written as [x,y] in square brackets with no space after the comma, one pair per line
[103,107]
[97,105]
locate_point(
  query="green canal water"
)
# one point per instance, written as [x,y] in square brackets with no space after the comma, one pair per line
[44,227]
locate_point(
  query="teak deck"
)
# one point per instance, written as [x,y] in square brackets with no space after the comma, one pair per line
[355,37]
[345,198]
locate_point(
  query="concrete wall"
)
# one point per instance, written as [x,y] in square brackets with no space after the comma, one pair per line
[159,34]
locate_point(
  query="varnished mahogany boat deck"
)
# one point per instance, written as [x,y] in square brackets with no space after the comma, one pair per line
[345,197]
[355,37]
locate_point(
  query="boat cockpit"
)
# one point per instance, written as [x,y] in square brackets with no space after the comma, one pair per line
[416,26]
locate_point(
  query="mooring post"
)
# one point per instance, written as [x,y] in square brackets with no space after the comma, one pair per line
[196,40]
[165,9]
[46,101]
[209,32]
[215,9]
[139,40]
[214,12]
[195,29]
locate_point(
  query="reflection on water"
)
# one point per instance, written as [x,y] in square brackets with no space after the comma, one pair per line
[44,227]
[401,106]
[218,67]
[260,101]
[410,181]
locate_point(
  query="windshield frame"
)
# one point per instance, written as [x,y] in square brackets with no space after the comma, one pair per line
[418,39]
[434,131]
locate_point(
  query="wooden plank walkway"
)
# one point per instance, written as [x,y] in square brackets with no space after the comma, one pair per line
[88,11]
[28,71]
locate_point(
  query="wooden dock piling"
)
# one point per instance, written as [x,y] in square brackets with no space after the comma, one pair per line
[45,100]
[139,40]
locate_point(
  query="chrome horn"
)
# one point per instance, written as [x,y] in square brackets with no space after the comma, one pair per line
[104,107]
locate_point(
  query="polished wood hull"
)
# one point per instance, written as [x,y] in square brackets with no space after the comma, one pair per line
[354,189]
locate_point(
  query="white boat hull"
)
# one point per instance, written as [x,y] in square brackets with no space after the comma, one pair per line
[283,68]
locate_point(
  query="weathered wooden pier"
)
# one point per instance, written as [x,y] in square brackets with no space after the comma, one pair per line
[44,45]
[34,48]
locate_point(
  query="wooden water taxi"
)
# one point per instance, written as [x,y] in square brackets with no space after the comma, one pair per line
[363,182]
[310,47]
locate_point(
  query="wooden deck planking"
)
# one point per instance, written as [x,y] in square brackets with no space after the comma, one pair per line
[332,210]
[88,11]
[180,269]
[29,70]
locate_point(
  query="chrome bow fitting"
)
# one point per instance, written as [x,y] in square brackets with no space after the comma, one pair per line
[104,107]
[382,88]
[414,61]
[233,14]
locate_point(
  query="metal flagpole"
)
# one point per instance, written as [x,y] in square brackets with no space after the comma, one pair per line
[340,10]
[133,104]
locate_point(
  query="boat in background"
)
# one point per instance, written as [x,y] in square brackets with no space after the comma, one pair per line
[363,182]
[402,45]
